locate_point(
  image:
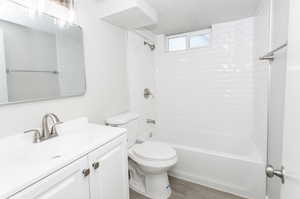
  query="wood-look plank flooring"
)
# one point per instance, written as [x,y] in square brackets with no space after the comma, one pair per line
[187,190]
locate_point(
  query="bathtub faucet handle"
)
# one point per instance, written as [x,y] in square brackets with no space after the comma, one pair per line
[150,121]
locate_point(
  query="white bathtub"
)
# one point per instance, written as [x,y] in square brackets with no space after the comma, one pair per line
[240,172]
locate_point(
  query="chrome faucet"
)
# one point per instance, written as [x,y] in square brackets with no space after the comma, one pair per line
[47,130]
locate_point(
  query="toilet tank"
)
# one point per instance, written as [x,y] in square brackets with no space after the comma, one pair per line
[129,121]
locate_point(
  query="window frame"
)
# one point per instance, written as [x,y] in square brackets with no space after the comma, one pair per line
[188,36]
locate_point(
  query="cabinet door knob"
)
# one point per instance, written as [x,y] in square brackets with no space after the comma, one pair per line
[96,165]
[86,172]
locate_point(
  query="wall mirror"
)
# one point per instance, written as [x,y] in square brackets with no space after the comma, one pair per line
[39,59]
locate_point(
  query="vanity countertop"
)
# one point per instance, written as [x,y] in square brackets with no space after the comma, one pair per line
[23,163]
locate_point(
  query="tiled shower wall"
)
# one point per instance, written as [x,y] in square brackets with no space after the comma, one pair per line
[207,95]
[140,68]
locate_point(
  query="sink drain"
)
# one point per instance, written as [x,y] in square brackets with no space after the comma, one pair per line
[57,156]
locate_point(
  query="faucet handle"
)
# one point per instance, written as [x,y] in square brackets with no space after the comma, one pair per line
[53,131]
[37,135]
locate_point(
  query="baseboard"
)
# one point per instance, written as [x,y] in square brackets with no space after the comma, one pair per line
[211,184]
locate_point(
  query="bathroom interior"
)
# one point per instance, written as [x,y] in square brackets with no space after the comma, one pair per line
[149,99]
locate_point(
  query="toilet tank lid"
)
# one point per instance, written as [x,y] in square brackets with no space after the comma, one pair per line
[122,118]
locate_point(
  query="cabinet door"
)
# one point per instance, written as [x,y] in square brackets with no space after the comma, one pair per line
[109,175]
[67,183]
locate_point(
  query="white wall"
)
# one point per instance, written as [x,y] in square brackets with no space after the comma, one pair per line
[207,94]
[141,70]
[107,92]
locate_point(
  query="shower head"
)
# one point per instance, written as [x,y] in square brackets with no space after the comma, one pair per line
[151,46]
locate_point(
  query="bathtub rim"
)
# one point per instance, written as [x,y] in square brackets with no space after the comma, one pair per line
[256,158]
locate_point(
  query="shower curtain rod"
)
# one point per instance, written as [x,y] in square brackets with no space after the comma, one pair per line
[270,56]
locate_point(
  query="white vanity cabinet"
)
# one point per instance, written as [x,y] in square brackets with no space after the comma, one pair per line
[100,174]
[109,174]
[69,182]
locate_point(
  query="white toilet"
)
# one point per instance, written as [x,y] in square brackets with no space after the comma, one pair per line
[148,161]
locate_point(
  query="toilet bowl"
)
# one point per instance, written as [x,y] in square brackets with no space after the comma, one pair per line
[153,160]
[149,161]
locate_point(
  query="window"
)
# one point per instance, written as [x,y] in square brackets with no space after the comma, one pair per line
[198,41]
[190,40]
[177,43]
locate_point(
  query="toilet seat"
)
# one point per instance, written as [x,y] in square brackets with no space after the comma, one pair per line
[155,151]
[154,154]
